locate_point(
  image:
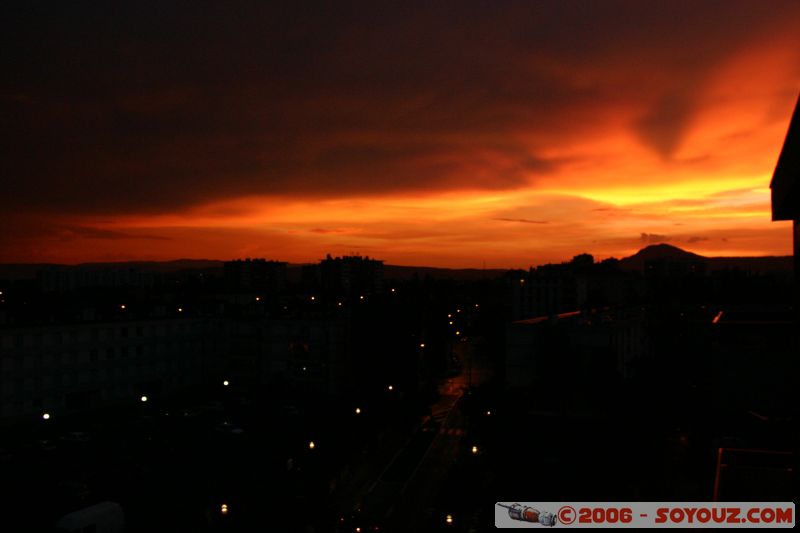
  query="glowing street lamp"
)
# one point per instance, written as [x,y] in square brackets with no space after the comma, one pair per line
[422,345]
[449,519]
[45,416]
[390,387]
[223,508]
[226,383]
[143,399]
[311,445]
[358,410]
[474,450]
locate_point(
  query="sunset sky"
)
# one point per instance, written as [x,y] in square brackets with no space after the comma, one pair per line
[457,134]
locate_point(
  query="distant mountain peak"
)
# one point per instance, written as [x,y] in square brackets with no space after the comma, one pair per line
[664,251]
[656,252]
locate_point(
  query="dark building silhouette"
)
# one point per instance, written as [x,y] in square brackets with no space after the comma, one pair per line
[255,275]
[60,278]
[586,347]
[785,193]
[582,283]
[305,356]
[546,290]
[75,363]
[77,366]
[550,289]
[351,276]
[753,342]
[68,348]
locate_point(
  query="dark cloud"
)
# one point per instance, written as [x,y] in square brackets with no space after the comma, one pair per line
[98,233]
[523,220]
[134,107]
[652,238]
[662,127]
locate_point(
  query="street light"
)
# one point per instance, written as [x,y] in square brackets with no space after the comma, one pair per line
[474,450]
[358,410]
[226,383]
[46,416]
[390,387]
[143,399]
[223,508]
[449,519]
[422,345]
[311,445]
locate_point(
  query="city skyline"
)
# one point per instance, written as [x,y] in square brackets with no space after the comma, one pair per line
[501,136]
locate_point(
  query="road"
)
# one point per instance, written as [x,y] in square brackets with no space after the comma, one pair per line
[386,471]
[423,485]
[397,483]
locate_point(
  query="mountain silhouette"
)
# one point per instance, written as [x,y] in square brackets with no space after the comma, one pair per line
[667,252]
[657,252]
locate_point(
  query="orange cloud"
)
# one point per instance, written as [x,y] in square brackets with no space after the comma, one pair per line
[512,136]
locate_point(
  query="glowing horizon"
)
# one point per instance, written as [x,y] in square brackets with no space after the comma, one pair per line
[517,152]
